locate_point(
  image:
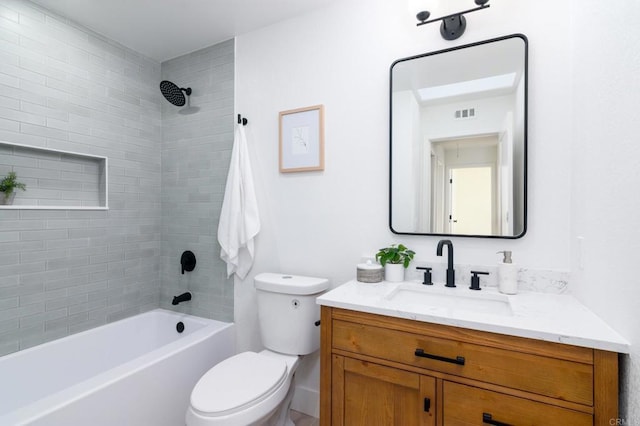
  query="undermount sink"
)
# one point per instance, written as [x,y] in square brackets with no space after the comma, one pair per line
[458,299]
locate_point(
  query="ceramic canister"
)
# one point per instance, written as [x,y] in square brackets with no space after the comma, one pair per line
[370,273]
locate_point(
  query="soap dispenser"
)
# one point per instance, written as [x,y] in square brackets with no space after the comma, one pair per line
[507,274]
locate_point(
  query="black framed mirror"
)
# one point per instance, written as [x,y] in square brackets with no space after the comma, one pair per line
[458,141]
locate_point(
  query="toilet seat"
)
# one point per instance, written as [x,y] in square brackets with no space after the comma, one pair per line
[236,383]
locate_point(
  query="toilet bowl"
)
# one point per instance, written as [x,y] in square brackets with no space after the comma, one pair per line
[246,389]
[256,388]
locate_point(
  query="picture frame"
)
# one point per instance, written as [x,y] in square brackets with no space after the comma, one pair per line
[301,142]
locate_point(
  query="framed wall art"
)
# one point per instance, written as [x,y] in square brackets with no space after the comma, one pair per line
[302,139]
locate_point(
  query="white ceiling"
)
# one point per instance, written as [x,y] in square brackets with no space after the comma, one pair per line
[165,29]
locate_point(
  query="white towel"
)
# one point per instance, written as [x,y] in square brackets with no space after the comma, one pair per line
[239,218]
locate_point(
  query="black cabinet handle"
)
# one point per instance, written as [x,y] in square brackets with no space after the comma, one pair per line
[457,360]
[427,405]
[487,418]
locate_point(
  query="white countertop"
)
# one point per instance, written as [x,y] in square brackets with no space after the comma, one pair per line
[559,318]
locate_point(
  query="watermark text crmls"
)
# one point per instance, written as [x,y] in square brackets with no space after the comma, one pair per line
[620,422]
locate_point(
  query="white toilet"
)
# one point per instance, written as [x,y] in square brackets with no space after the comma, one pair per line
[256,388]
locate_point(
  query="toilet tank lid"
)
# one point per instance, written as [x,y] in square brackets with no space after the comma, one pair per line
[290,284]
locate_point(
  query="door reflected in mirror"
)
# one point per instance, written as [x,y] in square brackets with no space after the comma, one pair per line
[459,141]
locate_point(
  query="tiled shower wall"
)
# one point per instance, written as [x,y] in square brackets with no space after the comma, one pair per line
[66,88]
[195,159]
[56,178]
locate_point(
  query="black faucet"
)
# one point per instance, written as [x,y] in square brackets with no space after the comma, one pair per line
[451,274]
[184,297]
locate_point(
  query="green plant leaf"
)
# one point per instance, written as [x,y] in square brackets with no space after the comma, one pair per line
[395,254]
[9,183]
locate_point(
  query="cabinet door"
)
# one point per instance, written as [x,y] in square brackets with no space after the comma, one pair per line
[468,405]
[368,394]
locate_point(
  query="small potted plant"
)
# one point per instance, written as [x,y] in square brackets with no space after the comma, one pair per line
[8,186]
[395,259]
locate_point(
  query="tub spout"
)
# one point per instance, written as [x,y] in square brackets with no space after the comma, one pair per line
[184,297]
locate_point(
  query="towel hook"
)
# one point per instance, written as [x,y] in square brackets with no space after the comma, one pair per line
[242,120]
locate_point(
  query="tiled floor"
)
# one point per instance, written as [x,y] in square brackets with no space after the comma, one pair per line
[301,419]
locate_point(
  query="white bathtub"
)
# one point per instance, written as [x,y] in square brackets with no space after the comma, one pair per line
[138,371]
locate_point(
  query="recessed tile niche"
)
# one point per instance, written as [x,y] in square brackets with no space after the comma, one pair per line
[55,179]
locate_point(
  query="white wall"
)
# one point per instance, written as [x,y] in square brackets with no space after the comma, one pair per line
[322,223]
[606,175]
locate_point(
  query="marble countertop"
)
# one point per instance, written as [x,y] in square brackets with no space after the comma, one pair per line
[559,318]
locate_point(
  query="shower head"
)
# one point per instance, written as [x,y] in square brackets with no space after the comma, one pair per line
[173,93]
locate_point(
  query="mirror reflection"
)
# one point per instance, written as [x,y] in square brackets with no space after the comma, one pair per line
[459,141]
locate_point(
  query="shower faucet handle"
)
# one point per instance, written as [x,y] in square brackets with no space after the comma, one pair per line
[188,261]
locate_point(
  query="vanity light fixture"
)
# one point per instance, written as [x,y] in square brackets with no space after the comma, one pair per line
[453,25]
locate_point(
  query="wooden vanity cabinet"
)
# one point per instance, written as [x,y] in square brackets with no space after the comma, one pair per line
[373,394]
[379,370]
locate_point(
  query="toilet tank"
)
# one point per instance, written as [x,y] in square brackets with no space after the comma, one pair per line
[287,312]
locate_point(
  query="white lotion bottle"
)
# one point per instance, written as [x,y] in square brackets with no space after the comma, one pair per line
[507,274]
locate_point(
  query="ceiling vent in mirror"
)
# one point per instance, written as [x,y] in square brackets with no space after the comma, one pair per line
[463,114]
